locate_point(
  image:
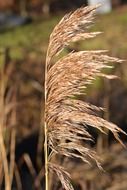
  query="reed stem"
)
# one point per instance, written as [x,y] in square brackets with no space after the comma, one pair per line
[3,153]
[45,131]
[46,157]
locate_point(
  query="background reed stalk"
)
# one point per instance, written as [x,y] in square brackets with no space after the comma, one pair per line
[3,153]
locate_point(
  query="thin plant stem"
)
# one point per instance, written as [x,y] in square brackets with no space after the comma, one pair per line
[18,178]
[5,163]
[12,154]
[3,152]
[46,158]
[45,130]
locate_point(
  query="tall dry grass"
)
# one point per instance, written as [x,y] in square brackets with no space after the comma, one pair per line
[7,124]
[11,107]
[66,117]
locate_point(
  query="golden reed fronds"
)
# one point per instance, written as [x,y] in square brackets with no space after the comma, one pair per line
[67,118]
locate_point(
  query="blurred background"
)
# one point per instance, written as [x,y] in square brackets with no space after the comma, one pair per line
[25,26]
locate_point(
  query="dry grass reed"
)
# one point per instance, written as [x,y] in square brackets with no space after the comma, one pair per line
[67,118]
[10,175]
[7,121]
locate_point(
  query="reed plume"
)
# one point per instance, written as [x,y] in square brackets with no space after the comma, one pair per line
[66,117]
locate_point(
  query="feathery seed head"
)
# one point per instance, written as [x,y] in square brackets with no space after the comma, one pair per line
[67,119]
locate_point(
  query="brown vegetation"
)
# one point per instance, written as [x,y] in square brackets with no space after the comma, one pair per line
[22,99]
[66,117]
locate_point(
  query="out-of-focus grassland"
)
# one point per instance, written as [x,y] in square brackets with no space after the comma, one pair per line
[34,36]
